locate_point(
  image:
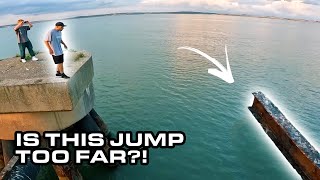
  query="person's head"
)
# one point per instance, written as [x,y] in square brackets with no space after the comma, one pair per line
[20,20]
[60,26]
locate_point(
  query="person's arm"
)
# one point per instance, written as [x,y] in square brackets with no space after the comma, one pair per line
[29,23]
[64,44]
[49,47]
[18,26]
[47,42]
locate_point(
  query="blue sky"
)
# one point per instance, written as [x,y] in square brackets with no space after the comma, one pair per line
[51,9]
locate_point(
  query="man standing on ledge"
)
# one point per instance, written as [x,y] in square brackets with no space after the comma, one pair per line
[53,42]
[23,40]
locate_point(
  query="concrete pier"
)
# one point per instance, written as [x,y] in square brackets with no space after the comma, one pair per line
[34,99]
[293,145]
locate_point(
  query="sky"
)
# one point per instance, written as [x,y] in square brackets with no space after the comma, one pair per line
[36,10]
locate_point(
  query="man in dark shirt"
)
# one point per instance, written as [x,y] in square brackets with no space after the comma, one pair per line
[23,40]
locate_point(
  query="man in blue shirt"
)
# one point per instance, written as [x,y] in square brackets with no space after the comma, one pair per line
[53,42]
[23,40]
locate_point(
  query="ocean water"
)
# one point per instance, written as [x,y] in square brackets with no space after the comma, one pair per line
[143,82]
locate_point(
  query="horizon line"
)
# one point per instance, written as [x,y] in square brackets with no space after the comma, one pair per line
[172,12]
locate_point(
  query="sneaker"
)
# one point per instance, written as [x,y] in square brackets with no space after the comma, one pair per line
[23,60]
[58,73]
[34,58]
[63,75]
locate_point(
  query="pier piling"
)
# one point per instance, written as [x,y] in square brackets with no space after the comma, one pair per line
[7,150]
[2,164]
[102,125]
[292,144]
[16,171]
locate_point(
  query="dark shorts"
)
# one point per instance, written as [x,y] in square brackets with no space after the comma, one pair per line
[58,59]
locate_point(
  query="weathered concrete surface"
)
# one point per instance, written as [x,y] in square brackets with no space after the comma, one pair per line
[293,145]
[33,86]
[46,121]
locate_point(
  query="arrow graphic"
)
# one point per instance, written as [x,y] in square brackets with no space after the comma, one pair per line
[224,74]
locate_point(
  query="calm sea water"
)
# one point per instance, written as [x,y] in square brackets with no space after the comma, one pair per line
[142,82]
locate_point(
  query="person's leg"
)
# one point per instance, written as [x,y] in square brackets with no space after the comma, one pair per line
[30,49]
[22,48]
[61,68]
[58,69]
[63,75]
[57,65]
[58,60]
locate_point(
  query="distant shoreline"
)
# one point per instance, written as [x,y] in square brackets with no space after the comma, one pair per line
[178,12]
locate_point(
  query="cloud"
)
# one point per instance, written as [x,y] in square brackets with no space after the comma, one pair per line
[313,2]
[307,9]
[53,6]
[36,10]
[10,19]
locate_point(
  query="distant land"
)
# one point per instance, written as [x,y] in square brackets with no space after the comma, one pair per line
[179,12]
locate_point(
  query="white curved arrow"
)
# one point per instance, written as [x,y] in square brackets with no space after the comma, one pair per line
[224,74]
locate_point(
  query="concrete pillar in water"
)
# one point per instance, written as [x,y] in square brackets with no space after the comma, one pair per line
[102,125]
[67,172]
[7,150]
[87,124]
[16,171]
[33,99]
[1,157]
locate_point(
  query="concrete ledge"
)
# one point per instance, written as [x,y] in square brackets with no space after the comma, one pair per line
[33,87]
[46,121]
[293,145]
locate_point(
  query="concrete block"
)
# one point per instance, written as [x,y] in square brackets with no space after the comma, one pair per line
[46,121]
[33,86]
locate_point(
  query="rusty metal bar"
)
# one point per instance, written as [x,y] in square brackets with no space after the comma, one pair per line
[293,145]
